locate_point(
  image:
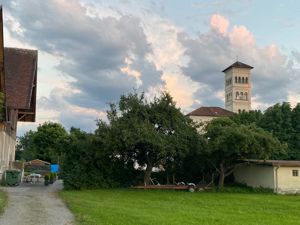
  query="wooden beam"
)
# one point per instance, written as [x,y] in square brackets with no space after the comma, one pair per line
[2,79]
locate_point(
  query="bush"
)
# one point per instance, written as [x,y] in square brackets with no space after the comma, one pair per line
[87,164]
[51,178]
[242,188]
[46,177]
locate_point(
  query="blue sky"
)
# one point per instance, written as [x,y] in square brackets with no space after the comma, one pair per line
[91,52]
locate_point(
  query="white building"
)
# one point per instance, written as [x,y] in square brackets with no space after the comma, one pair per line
[238,87]
[205,114]
[280,175]
[237,84]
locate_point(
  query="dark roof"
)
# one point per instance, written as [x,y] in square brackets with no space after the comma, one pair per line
[37,161]
[20,79]
[274,162]
[211,111]
[238,64]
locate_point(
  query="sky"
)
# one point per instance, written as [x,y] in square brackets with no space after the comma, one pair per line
[93,51]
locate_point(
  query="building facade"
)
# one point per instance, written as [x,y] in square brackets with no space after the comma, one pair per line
[238,87]
[282,176]
[205,114]
[18,83]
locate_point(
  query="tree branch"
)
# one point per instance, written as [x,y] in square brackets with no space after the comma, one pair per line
[214,166]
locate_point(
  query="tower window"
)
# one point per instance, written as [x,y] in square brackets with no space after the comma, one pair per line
[239,80]
[243,80]
[236,79]
[246,80]
[241,96]
[246,96]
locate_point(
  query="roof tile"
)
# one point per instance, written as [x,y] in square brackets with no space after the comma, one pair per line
[20,77]
[211,111]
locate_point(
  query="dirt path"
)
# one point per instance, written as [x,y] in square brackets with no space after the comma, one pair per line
[35,205]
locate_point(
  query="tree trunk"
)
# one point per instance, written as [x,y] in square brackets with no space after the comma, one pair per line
[221,175]
[147,175]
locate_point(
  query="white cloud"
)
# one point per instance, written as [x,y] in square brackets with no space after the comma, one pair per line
[294,98]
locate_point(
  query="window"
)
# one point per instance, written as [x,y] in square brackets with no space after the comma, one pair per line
[239,111]
[246,96]
[239,80]
[235,79]
[243,80]
[241,96]
[246,80]
[237,95]
[228,82]
[295,173]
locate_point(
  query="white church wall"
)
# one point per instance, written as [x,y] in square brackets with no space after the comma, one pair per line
[203,120]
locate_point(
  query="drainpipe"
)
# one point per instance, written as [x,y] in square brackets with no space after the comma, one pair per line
[276,178]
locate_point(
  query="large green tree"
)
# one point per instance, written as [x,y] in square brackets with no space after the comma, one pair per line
[294,143]
[44,143]
[247,118]
[283,122]
[228,143]
[278,120]
[150,133]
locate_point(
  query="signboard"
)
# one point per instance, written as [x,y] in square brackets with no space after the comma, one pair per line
[54,168]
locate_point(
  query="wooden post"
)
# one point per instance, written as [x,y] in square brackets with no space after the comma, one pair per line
[2,80]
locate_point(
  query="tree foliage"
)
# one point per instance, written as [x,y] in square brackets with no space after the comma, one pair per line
[88,163]
[150,133]
[282,121]
[44,144]
[247,118]
[229,142]
[141,135]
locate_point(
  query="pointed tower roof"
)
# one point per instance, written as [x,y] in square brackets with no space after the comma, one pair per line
[238,64]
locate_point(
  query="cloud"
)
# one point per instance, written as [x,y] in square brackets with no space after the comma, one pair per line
[294,98]
[212,51]
[219,23]
[104,57]
[92,53]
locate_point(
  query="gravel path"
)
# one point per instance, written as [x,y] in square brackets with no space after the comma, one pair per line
[36,204]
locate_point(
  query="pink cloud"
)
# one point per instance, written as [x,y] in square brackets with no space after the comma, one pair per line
[241,36]
[219,23]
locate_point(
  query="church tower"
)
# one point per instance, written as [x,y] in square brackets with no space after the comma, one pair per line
[238,87]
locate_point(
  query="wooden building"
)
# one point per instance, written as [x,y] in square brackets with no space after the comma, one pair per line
[18,80]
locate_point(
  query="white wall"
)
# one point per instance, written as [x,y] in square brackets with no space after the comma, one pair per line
[287,183]
[7,151]
[255,176]
[201,119]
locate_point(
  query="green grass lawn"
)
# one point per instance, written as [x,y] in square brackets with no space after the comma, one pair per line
[3,201]
[138,207]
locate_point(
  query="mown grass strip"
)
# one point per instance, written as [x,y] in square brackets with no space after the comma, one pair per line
[138,207]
